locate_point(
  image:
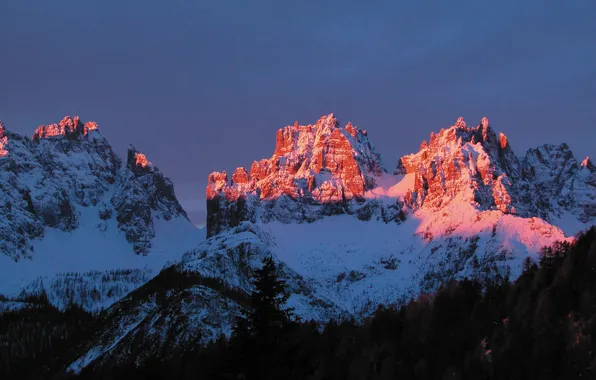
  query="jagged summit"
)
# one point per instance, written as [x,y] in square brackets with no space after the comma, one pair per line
[318,164]
[68,127]
[587,163]
[325,164]
[54,179]
[137,161]
[470,161]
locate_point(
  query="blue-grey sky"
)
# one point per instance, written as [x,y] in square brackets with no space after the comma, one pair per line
[201,85]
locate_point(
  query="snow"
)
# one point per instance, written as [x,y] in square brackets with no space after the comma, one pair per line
[63,193]
[392,186]
[464,224]
[570,224]
[353,262]
[89,248]
[126,326]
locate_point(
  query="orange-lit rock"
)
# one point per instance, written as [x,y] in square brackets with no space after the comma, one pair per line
[240,176]
[323,163]
[502,141]
[3,141]
[141,160]
[90,126]
[67,126]
[463,160]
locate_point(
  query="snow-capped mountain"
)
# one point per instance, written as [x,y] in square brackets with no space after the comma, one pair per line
[69,204]
[316,170]
[350,236]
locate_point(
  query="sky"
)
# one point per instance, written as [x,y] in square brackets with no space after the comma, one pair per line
[202,86]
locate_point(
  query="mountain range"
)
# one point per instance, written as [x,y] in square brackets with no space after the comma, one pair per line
[82,226]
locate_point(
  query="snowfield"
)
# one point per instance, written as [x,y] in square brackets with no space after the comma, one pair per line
[61,255]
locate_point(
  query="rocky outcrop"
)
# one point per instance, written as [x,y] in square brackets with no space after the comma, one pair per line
[70,127]
[142,194]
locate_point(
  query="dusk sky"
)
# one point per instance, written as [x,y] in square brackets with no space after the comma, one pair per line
[203,86]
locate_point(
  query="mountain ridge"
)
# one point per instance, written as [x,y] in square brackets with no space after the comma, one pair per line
[475,156]
[348,236]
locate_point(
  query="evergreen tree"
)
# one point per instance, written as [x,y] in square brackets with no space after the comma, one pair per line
[258,338]
[267,313]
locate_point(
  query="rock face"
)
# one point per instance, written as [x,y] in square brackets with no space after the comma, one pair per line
[560,183]
[466,161]
[141,195]
[50,180]
[472,164]
[312,165]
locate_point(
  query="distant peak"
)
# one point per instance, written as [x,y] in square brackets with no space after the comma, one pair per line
[216,182]
[502,141]
[240,176]
[587,163]
[67,126]
[141,160]
[90,126]
[460,123]
[328,120]
[137,160]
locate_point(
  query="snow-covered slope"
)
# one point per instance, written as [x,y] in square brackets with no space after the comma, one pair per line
[349,236]
[69,204]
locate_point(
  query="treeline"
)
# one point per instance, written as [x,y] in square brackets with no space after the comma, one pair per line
[34,337]
[90,290]
[542,326]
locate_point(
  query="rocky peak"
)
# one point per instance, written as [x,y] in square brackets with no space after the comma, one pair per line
[322,161]
[240,176]
[136,161]
[464,160]
[317,163]
[70,127]
[587,164]
[141,160]
[460,123]
[217,180]
[503,141]
[218,185]
[143,194]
